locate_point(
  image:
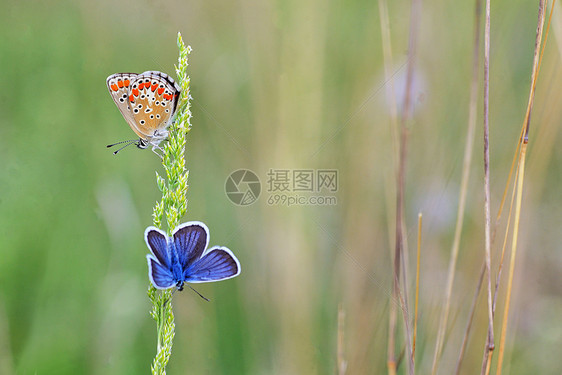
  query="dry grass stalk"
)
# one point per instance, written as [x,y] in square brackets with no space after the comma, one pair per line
[417,289]
[520,178]
[490,337]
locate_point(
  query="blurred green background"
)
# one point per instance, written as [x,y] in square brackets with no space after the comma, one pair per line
[276,85]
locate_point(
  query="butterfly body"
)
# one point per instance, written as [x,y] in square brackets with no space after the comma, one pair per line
[176,268]
[184,257]
[147,101]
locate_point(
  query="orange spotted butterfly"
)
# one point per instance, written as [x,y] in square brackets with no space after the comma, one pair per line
[148,102]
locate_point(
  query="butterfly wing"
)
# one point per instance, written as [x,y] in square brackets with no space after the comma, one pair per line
[160,260]
[153,98]
[219,263]
[119,85]
[190,241]
[156,241]
[160,276]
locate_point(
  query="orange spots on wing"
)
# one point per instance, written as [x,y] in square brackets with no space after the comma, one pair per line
[114,87]
[120,83]
[154,86]
[136,92]
[141,86]
[160,90]
[126,82]
[131,98]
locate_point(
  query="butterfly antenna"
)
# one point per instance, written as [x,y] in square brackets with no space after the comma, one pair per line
[129,142]
[118,143]
[200,295]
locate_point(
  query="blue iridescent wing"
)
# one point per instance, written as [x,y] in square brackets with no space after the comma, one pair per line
[216,264]
[190,241]
[160,276]
[157,242]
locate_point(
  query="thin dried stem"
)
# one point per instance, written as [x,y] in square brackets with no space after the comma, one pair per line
[483,267]
[400,230]
[498,216]
[388,73]
[470,319]
[387,53]
[490,337]
[417,288]
[521,174]
[519,189]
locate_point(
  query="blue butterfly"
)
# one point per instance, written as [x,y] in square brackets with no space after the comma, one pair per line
[184,257]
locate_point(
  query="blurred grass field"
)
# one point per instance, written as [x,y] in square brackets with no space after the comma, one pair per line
[276,85]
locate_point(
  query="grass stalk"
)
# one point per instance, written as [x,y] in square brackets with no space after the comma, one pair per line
[388,73]
[520,179]
[490,338]
[173,207]
[400,227]
[417,288]
[521,174]
[387,54]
